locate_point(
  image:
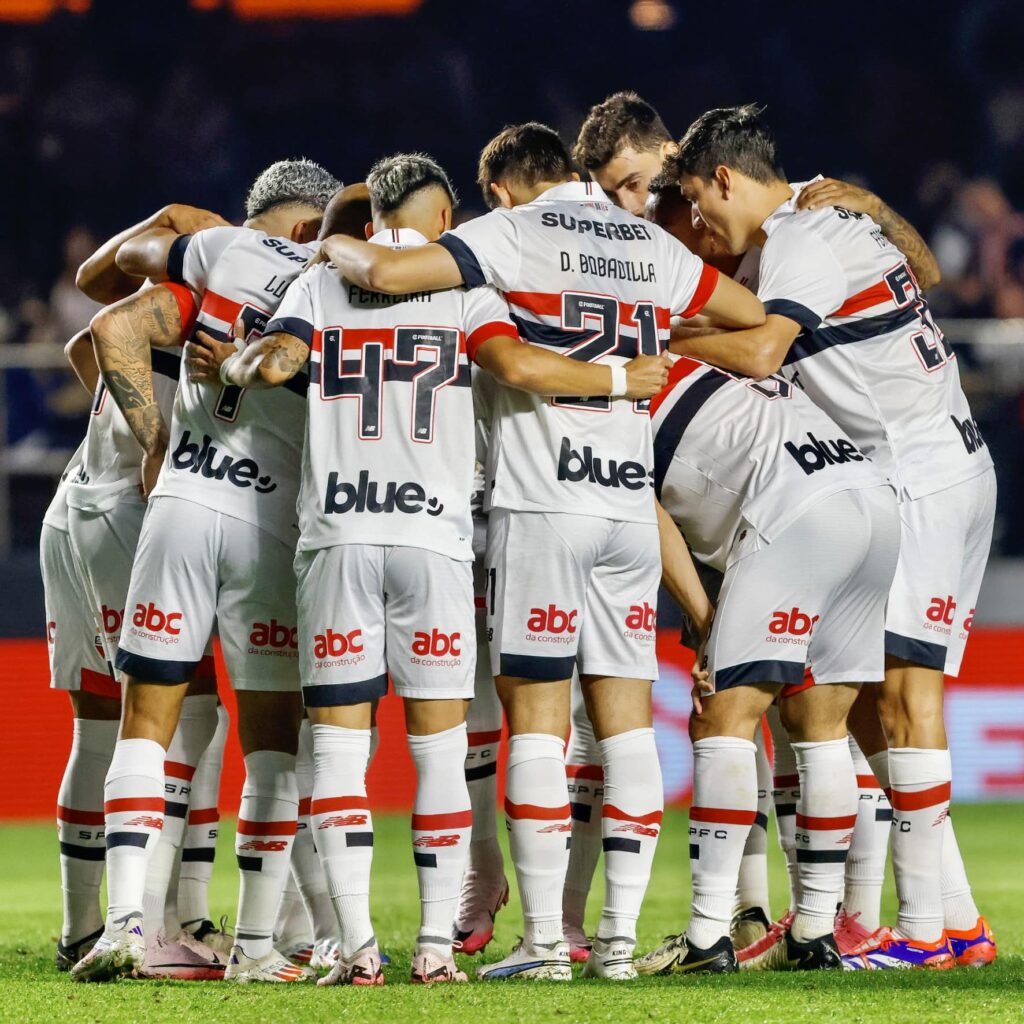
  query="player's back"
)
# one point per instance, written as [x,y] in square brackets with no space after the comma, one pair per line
[238,451]
[870,352]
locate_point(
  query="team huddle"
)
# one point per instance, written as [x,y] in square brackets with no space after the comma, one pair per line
[367,445]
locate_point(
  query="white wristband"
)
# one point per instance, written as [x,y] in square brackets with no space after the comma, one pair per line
[225,370]
[619,382]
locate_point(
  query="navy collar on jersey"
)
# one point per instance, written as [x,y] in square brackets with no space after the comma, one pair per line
[575,192]
[781,211]
[398,236]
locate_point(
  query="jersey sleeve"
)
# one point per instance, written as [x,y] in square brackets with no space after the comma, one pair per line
[295,314]
[800,277]
[192,256]
[691,280]
[188,307]
[486,316]
[487,250]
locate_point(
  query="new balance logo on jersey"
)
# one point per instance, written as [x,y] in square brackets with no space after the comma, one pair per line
[275,635]
[818,454]
[436,644]
[151,619]
[574,467]
[551,620]
[199,458]
[112,619]
[970,434]
[368,495]
[793,623]
[330,644]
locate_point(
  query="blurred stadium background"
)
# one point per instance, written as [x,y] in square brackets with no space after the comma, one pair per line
[112,108]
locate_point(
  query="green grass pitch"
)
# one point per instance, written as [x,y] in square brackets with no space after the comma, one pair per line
[32,990]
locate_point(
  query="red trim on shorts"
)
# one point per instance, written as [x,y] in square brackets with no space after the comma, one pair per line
[204,816]
[786,781]
[594,772]
[100,684]
[479,739]
[705,286]
[188,308]
[207,668]
[517,812]
[903,801]
[654,818]
[825,824]
[177,770]
[723,815]
[134,803]
[72,817]
[792,689]
[267,828]
[339,803]
[428,822]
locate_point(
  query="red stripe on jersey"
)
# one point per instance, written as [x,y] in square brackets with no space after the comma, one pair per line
[681,368]
[654,818]
[339,803]
[100,684]
[72,817]
[495,329]
[843,821]
[518,812]
[867,782]
[428,822]
[188,308]
[918,801]
[480,739]
[304,804]
[786,781]
[722,815]
[267,828]
[177,770]
[134,803]
[864,299]
[220,307]
[594,772]
[204,816]
[550,304]
[705,286]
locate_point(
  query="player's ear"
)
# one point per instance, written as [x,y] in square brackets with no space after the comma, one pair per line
[669,148]
[723,179]
[575,176]
[502,194]
[368,229]
[306,230]
[446,219]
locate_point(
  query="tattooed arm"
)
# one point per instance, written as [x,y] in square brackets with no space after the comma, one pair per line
[122,335]
[266,362]
[902,234]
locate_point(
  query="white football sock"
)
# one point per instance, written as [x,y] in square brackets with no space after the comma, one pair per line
[825,818]
[343,828]
[80,826]
[267,821]
[292,926]
[920,805]
[723,810]
[200,842]
[133,796]
[752,887]
[865,866]
[634,804]
[785,794]
[585,774]
[483,726]
[537,811]
[958,907]
[441,829]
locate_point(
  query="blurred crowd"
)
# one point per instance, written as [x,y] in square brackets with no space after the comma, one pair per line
[107,115]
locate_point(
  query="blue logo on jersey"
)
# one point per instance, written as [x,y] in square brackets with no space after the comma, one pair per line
[368,495]
[574,467]
[200,458]
[819,454]
[970,434]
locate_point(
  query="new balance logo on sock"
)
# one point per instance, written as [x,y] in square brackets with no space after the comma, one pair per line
[640,830]
[144,821]
[449,840]
[265,845]
[342,821]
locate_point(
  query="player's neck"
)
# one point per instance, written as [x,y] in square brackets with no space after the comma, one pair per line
[769,198]
[427,227]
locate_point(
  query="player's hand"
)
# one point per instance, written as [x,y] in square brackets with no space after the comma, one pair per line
[152,462]
[320,257]
[203,357]
[701,688]
[646,375]
[187,220]
[832,192]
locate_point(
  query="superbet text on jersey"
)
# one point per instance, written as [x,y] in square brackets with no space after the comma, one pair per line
[590,282]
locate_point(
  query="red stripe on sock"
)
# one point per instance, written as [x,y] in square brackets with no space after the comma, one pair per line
[428,822]
[594,772]
[867,782]
[722,815]
[339,803]
[177,770]
[72,817]
[204,816]
[267,828]
[786,781]
[654,818]
[480,739]
[134,803]
[520,811]
[304,805]
[825,824]
[903,801]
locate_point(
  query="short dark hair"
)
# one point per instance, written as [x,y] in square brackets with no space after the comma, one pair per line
[291,182]
[622,120]
[525,153]
[395,179]
[737,137]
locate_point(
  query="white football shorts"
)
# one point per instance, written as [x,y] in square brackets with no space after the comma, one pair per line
[194,567]
[369,609]
[944,544]
[814,597]
[567,590]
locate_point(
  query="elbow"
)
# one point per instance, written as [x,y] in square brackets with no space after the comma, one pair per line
[84,282]
[383,276]
[764,363]
[76,347]
[931,278]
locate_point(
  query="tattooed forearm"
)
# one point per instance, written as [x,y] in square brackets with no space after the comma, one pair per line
[269,361]
[148,426]
[904,236]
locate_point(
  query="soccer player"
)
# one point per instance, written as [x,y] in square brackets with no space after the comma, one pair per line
[572,511]
[400,526]
[217,543]
[847,321]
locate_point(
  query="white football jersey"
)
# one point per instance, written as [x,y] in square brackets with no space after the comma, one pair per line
[869,352]
[589,281]
[237,452]
[56,514]
[111,457]
[732,453]
[394,464]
